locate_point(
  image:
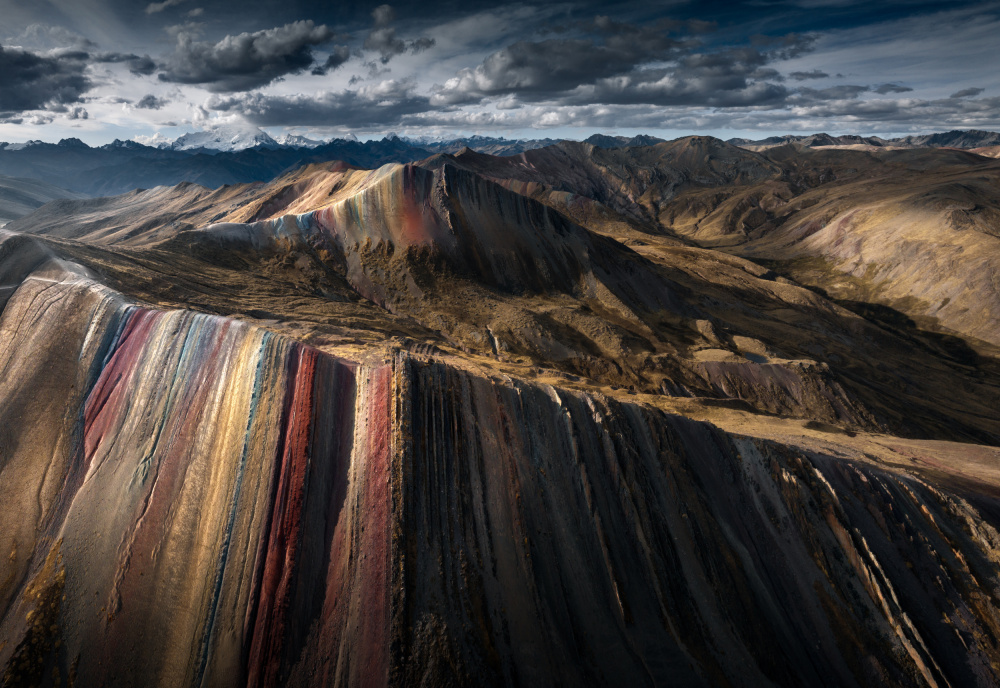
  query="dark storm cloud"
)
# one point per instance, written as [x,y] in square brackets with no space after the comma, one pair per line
[608,67]
[383,15]
[151,102]
[539,69]
[381,104]
[967,93]
[844,92]
[383,40]
[529,64]
[246,60]
[338,56]
[730,78]
[891,88]
[803,76]
[140,65]
[785,47]
[421,44]
[34,82]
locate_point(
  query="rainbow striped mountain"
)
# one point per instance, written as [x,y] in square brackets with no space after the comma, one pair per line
[683,413]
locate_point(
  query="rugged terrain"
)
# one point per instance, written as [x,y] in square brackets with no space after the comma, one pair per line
[679,413]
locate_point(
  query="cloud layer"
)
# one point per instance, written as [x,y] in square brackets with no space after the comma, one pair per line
[383,40]
[480,67]
[246,60]
[32,82]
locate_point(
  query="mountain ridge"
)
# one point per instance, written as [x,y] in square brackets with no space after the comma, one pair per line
[583,415]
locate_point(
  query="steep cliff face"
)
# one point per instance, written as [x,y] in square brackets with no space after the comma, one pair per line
[563,539]
[391,230]
[164,470]
[914,230]
[191,499]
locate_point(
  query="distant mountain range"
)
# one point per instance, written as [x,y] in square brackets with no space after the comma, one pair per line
[121,166]
[231,155]
[235,137]
[952,139]
[222,155]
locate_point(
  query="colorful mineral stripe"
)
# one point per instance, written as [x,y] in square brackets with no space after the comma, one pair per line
[222,505]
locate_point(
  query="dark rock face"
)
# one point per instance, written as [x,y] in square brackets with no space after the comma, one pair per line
[554,539]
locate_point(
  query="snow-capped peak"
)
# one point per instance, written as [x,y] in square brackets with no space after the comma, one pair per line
[22,146]
[296,141]
[225,137]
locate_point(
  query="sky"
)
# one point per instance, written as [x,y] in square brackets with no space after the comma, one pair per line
[98,70]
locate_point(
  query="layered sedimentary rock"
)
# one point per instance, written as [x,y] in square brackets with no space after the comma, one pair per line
[166,466]
[189,499]
[425,425]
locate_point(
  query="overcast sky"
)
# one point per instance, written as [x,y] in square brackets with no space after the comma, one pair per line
[105,69]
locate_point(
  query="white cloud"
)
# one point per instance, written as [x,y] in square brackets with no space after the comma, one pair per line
[154,7]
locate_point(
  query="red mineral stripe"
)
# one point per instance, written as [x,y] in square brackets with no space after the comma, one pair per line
[264,660]
[374,561]
[109,398]
[170,461]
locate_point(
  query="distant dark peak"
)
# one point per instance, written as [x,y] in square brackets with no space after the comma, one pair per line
[391,136]
[822,139]
[72,143]
[707,141]
[606,141]
[787,138]
[645,140]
